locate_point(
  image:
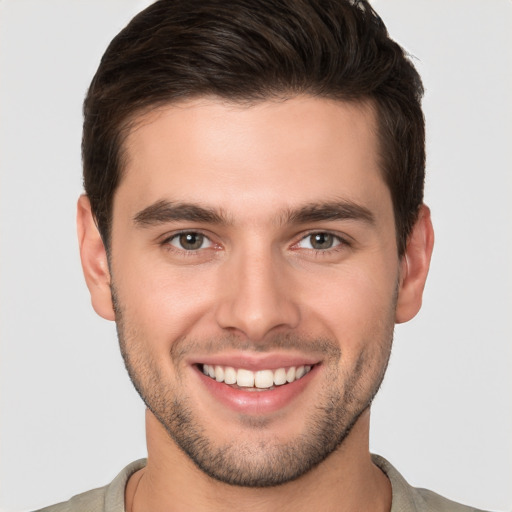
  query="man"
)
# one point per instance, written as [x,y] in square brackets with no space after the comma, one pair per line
[254,223]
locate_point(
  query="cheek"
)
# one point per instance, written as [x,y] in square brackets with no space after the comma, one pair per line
[162,302]
[357,305]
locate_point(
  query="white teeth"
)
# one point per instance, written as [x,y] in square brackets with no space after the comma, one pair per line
[290,374]
[264,379]
[280,377]
[219,374]
[245,378]
[229,375]
[261,379]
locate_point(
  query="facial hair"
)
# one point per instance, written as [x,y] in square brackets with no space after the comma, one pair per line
[344,396]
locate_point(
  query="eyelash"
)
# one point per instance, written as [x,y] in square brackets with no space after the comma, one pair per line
[342,243]
[166,243]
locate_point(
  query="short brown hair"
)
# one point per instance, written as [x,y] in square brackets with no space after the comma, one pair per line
[252,50]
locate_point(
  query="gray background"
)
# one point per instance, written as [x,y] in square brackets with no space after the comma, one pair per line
[69,417]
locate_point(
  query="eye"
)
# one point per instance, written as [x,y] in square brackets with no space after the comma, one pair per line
[190,241]
[319,241]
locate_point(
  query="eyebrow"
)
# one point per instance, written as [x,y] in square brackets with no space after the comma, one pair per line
[334,210]
[163,211]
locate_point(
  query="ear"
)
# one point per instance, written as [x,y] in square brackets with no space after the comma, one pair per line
[94,260]
[414,267]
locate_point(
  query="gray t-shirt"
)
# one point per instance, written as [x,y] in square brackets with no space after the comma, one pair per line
[405,498]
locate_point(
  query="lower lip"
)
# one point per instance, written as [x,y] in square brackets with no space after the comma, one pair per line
[256,402]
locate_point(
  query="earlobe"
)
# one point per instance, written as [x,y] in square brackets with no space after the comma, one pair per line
[414,267]
[94,260]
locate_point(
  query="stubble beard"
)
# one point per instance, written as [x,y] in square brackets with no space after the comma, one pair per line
[260,463]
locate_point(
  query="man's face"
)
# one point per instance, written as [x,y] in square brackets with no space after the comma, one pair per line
[255,244]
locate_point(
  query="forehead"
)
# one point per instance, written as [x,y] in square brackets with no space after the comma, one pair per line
[270,154]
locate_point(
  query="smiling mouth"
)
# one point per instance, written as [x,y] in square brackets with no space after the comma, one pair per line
[255,380]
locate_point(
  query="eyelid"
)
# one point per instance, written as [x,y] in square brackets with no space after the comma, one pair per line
[343,240]
[168,237]
[175,241]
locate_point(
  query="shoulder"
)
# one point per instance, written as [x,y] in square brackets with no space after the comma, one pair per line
[92,501]
[104,499]
[411,499]
[430,501]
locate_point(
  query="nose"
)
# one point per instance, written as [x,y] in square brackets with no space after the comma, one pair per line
[258,295]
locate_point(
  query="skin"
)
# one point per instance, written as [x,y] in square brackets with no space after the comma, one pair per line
[256,287]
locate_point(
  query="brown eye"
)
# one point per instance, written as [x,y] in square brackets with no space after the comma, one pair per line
[190,241]
[320,241]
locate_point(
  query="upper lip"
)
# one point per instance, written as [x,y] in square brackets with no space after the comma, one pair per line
[256,361]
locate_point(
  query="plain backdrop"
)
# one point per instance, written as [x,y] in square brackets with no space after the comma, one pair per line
[70,419]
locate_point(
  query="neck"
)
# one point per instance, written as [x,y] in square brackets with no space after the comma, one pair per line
[346,481]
